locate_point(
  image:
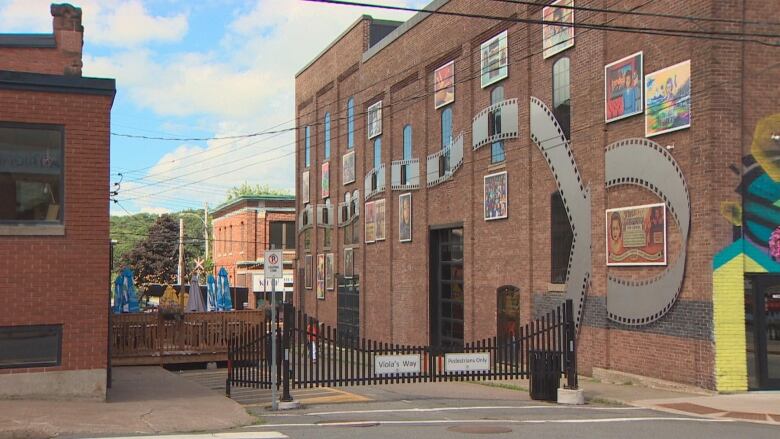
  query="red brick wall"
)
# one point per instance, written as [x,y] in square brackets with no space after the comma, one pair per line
[65,279]
[516,251]
[65,58]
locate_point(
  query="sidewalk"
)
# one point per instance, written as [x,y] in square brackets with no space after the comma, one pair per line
[141,400]
[752,406]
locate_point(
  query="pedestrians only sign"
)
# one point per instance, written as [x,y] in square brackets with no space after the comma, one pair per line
[273,264]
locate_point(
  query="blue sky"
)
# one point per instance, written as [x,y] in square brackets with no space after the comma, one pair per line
[210,68]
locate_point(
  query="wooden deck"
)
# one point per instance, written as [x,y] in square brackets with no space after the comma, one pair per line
[146,339]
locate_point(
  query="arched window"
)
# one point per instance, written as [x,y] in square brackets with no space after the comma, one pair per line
[327,136]
[497,148]
[446,126]
[377,152]
[561,237]
[350,123]
[407,142]
[307,147]
[561,93]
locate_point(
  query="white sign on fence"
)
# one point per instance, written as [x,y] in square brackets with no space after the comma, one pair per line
[476,362]
[388,364]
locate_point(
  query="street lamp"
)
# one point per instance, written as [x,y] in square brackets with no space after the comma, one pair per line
[204,220]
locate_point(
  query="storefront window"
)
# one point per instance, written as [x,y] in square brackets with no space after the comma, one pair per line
[31,174]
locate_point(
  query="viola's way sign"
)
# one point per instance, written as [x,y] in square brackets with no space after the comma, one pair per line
[389,364]
[476,362]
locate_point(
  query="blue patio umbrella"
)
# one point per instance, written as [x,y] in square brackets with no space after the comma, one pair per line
[211,288]
[125,297]
[224,302]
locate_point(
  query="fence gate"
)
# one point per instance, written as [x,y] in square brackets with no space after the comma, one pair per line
[318,355]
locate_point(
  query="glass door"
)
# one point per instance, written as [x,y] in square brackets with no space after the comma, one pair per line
[762,324]
[446,289]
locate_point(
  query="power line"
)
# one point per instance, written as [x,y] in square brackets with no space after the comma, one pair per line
[686,33]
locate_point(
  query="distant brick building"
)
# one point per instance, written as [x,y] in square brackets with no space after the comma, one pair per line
[468,206]
[54,215]
[243,229]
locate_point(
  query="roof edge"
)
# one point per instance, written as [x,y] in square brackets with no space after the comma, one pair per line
[403,28]
[35,41]
[360,19]
[237,200]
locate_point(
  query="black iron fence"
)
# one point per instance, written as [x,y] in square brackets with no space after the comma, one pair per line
[311,354]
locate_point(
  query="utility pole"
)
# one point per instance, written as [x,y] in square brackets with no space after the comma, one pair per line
[181,251]
[206,229]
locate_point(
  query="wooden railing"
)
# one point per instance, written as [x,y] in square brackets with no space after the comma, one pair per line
[194,337]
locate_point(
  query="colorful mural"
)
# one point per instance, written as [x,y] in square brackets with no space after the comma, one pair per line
[756,220]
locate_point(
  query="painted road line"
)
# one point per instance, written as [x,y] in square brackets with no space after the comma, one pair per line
[491,421]
[445,409]
[239,435]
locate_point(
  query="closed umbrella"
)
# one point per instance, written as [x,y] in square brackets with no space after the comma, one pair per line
[195,302]
[224,302]
[211,289]
[125,298]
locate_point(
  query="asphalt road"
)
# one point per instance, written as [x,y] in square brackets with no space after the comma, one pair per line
[452,410]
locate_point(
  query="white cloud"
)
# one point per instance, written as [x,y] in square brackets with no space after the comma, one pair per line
[247,87]
[112,23]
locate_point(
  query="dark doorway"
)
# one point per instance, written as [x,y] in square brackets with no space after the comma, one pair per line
[348,304]
[762,329]
[508,311]
[446,289]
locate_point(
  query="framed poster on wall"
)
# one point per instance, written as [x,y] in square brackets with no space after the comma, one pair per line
[320,276]
[329,277]
[444,85]
[623,88]
[494,59]
[369,220]
[348,168]
[374,120]
[349,262]
[325,183]
[305,186]
[636,235]
[307,272]
[405,217]
[379,220]
[496,203]
[555,38]
[668,99]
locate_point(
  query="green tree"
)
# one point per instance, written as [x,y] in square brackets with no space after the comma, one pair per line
[246,189]
[155,258]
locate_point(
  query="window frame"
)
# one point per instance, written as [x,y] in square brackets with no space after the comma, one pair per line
[567,127]
[350,123]
[40,227]
[497,114]
[57,331]
[327,136]
[377,160]
[287,226]
[307,146]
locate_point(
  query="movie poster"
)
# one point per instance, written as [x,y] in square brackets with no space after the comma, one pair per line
[379,220]
[325,180]
[330,283]
[305,186]
[348,168]
[444,85]
[307,272]
[369,219]
[405,217]
[668,99]
[556,39]
[349,262]
[623,89]
[320,276]
[375,120]
[636,235]
[494,59]
[496,200]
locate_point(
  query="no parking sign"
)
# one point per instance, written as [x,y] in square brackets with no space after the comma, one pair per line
[273,264]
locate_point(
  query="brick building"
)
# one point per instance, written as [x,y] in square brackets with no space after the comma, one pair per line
[54,215]
[541,173]
[242,229]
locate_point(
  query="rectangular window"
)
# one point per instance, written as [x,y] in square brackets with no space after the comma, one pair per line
[307,147]
[282,235]
[327,136]
[377,152]
[31,174]
[30,346]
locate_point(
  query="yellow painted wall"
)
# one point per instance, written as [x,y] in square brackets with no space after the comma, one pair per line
[728,303]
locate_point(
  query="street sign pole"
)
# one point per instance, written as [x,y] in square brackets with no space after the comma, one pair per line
[273,268]
[274,378]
